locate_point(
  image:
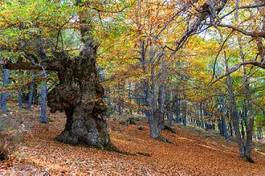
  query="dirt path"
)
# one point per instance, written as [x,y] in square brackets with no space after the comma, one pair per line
[189,155]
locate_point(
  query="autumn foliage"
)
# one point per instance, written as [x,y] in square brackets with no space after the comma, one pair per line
[170,87]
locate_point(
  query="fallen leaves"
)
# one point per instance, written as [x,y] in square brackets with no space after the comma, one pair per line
[191,154]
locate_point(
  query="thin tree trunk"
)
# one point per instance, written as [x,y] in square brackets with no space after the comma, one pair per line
[20,101]
[233,111]
[243,134]
[248,114]
[154,118]
[5,95]
[43,102]
[130,96]
[259,133]
[177,106]
[162,94]
[31,94]
[201,115]
[222,122]
[224,127]
[169,110]
[231,129]
[184,117]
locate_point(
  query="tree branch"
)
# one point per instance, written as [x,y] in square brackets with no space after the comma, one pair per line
[237,67]
[248,33]
[52,66]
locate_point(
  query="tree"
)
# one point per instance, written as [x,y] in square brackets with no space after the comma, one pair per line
[78,93]
[4,95]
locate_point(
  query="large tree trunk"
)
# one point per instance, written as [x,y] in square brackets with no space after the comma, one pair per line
[79,94]
[244,148]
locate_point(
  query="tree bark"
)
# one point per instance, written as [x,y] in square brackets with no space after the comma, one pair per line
[247,111]
[162,94]
[31,94]
[155,115]
[80,95]
[43,102]
[259,133]
[4,95]
[20,102]
[244,148]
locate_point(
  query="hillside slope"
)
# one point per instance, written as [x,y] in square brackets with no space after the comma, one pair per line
[191,154]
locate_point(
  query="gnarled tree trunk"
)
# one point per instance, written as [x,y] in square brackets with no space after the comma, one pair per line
[79,94]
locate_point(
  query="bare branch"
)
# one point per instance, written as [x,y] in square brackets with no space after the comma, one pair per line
[237,67]
[248,33]
[52,66]
[221,48]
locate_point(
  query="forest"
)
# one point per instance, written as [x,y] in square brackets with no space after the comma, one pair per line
[138,87]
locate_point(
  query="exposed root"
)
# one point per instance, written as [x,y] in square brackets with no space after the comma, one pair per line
[143,154]
[248,159]
[109,147]
[170,129]
[163,139]
[113,148]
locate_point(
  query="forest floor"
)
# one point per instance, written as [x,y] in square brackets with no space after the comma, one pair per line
[192,153]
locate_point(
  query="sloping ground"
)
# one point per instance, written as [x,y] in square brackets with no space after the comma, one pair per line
[191,154]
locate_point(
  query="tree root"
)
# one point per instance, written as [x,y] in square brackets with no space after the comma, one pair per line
[112,148]
[109,147]
[248,159]
[163,139]
[170,129]
[143,154]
